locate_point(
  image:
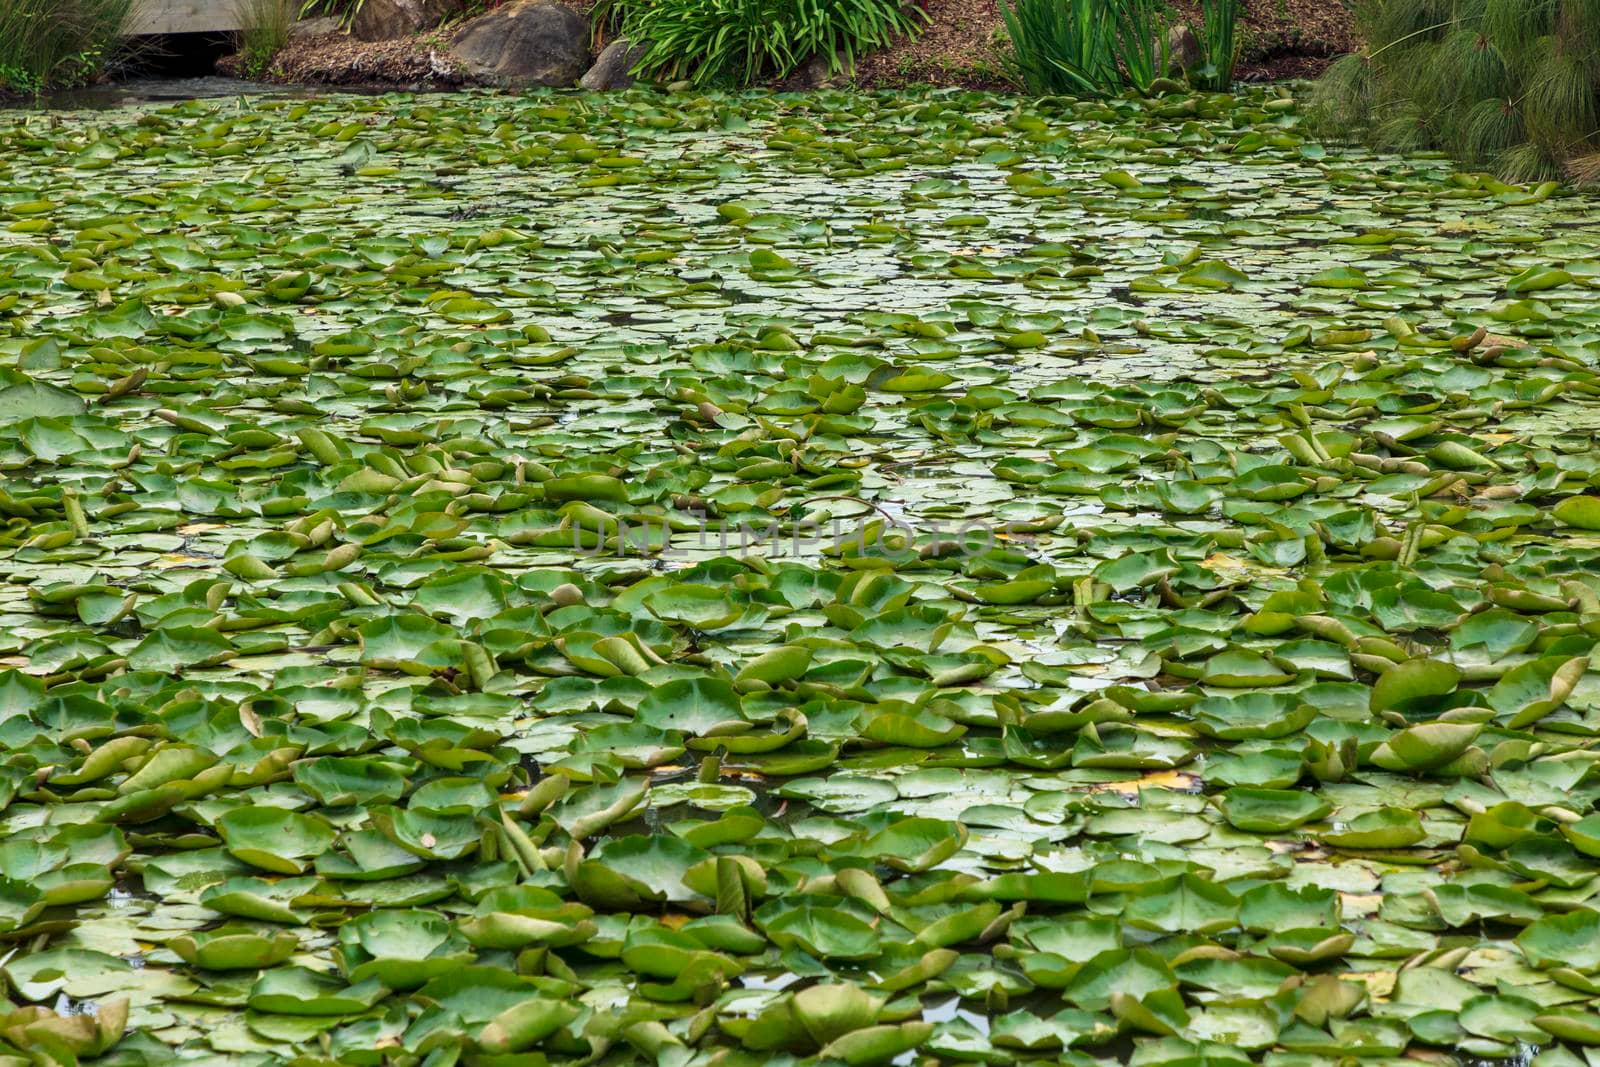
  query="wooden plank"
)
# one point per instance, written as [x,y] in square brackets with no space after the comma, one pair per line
[182,16]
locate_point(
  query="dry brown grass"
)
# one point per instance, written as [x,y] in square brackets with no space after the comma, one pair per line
[1585,170]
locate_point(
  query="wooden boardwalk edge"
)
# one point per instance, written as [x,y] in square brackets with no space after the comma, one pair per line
[182,16]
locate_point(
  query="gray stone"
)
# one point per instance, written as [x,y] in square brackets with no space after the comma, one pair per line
[317,27]
[381,20]
[810,75]
[527,43]
[1183,49]
[612,69]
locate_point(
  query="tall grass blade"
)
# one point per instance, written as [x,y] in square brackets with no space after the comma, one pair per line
[58,44]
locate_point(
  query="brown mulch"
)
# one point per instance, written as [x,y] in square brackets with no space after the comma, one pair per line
[959,46]
[339,59]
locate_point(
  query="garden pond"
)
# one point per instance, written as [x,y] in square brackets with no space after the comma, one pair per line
[751,579]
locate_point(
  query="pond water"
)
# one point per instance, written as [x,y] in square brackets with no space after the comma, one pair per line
[141,90]
[869,576]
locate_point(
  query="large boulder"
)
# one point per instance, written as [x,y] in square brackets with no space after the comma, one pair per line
[1184,52]
[530,42]
[613,69]
[321,26]
[380,20]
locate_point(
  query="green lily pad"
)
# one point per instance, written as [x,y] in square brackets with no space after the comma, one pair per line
[274,839]
[1271,811]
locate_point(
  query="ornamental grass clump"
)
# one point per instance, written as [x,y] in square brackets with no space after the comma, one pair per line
[264,27]
[742,42]
[56,44]
[1508,85]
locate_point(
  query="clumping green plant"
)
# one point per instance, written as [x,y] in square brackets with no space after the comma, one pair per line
[740,42]
[1219,43]
[1087,47]
[1141,35]
[1106,47]
[344,10]
[19,80]
[263,31]
[1059,47]
[57,44]
[1509,85]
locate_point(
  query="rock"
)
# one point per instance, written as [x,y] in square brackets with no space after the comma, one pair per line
[529,42]
[1183,48]
[317,27]
[612,69]
[810,75]
[382,20]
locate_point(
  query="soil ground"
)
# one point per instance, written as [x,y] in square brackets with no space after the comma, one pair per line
[965,41]
[963,45]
